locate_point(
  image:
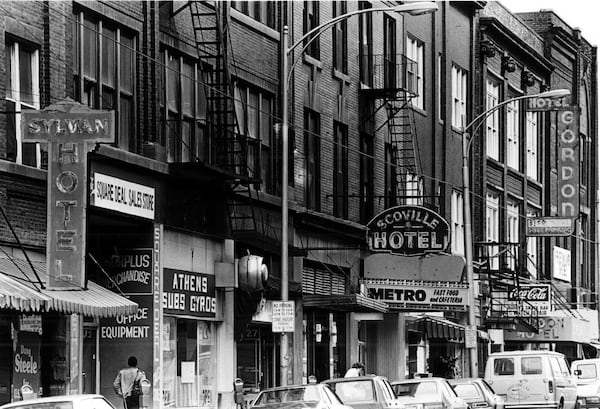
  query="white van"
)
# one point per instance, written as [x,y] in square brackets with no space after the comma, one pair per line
[588,382]
[532,379]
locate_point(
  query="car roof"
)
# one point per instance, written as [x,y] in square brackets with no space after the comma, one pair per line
[586,361]
[354,378]
[464,380]
[60,398]
[520,353]
[415,380]
[279,388]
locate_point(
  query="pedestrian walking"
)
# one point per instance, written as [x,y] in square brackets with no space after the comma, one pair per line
[357,369]
[127,384]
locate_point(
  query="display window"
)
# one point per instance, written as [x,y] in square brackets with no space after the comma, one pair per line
[189,363]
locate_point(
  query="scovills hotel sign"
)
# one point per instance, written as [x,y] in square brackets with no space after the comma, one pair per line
[408,230]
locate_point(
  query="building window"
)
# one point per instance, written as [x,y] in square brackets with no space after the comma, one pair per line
[254,114]
[414,52]
[365,51]
[459,97]
[340,38]
[311,21]
[512,234]
[389,46]
[104,72]
[531,133]
[413,189]
[340,170]
[439,86]
[532,252]
[390,176]
[492,121]
[261,11]
[312,152]
[189,344]
[366,177]
[458,224]
[513,129]
[183,109]
[492,228]
[22,92]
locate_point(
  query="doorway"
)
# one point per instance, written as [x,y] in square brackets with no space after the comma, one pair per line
[90,354]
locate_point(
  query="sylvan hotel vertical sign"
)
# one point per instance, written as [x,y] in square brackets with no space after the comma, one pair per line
[70,129]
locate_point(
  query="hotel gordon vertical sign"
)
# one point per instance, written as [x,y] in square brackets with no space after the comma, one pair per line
[69,129]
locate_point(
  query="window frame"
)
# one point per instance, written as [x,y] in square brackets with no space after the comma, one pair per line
[492,227]
[512,231]
[459,96]
[532,120]
[415,52]
[492,122]
[340,170]
[311,18]
[367,169]
[312,161]
[14,49]
[340,38]
[458,224]
[513,135]
[365,41]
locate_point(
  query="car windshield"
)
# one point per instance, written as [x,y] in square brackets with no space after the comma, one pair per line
[415,389]
[487,386]
[48,405]
[354,391]
[288,395]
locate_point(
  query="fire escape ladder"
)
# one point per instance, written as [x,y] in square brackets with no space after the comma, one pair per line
[229,150]
[402,132]
[502,277]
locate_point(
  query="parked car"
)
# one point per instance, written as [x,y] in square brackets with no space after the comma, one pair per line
[526,379]
[294,396]
[588,382]
[477,393]
[85,401]
[365,392]
[431,393]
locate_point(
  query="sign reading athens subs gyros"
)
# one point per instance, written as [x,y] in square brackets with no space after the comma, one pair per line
[408,230]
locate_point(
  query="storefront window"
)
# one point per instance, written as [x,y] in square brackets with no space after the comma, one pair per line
[189,363]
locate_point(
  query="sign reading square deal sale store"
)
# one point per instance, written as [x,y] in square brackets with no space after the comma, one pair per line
[189,293]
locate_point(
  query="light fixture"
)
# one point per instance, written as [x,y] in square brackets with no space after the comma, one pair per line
[508,64]
[487,49]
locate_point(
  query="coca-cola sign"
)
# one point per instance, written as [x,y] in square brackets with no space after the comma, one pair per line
[530,293]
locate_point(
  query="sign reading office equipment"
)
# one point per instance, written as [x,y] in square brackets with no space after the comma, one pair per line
[123,196]
[408,230]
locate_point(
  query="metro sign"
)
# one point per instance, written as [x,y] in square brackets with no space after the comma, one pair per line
[408,230]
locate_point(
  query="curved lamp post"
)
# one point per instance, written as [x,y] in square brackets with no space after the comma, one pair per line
[415,8]
[466,145]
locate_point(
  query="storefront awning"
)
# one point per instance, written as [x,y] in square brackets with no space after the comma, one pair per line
[20,290]
[437,327]
[345,303]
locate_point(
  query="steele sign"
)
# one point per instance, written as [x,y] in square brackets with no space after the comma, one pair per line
[408,230]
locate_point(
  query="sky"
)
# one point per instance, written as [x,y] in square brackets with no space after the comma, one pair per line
[576,13]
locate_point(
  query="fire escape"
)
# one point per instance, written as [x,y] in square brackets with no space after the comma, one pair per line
[394,88]
[230,150]
[502,269]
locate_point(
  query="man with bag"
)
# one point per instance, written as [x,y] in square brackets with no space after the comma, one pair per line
[127,384]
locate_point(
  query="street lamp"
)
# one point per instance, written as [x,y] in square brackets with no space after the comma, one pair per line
[466,144]
[415,8]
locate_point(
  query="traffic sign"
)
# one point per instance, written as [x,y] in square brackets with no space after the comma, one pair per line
[549,226]
[283,316]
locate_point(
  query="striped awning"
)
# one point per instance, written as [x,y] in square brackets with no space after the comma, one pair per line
[20,290]
[438,328]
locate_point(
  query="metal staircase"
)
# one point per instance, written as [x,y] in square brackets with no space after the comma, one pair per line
[402,132]
[394,90]
[229,150]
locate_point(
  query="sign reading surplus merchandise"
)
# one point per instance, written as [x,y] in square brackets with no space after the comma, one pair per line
[189,293]
[408,230]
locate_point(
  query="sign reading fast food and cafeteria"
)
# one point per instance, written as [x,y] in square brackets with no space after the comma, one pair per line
[397,235]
